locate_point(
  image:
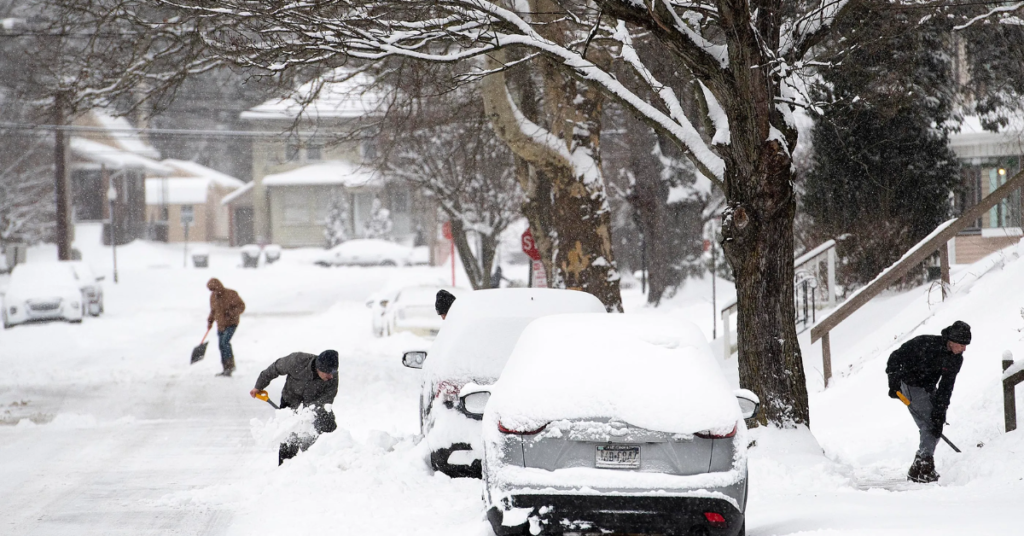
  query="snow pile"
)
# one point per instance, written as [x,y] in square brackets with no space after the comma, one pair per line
[650,372]
[283,425]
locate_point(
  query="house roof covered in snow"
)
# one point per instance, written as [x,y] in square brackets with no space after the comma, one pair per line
[331,172]
[114,157]
[177,191]
[185,168]
[973,141]
[238,195]
[348,95]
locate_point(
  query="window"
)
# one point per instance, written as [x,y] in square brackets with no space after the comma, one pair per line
[313,152]
[294,206]
[400,201]
[291,152]
[368,150]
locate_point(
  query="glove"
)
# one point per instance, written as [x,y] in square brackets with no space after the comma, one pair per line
[938,421]
[892,393]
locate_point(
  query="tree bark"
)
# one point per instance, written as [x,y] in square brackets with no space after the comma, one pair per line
[567,207]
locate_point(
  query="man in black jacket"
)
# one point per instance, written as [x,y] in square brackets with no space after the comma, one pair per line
[312,382]
[924,369]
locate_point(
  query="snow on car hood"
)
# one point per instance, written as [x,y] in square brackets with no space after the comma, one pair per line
[649,371]
[482,328]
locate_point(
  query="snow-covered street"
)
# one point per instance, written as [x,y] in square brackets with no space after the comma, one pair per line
[107,429]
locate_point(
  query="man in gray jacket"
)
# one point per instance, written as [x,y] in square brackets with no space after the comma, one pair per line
[311,382]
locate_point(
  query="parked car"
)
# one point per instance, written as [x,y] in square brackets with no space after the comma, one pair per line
[89,284]
[378,301]
[412,310]
[474,342]
[366,252]
[613,423]
[42,291]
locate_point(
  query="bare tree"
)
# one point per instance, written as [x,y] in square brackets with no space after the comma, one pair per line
[441,142]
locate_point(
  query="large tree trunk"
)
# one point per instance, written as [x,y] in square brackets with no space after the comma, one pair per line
[757,236]
[567,205]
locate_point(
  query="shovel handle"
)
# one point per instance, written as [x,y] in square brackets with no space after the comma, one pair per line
[264,396]
[903,398]
[205,334]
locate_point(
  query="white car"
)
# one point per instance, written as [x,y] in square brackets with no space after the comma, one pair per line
[475,341]
[366,252]
[412,310]
[90,286]
[42,291]
[613,424]
[378,301]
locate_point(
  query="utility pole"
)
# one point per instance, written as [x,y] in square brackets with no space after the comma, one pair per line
[60,157]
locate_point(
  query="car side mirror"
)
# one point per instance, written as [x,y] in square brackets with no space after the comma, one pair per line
[369,304]
[473,399]
[383,303]
[750,404]
[414,359]
[101,278]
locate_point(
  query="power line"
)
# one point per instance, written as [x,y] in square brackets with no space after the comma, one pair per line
[164,131]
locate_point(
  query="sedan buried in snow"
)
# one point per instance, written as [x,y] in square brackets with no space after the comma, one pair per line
[366,252]
[43,291]
[475,340]
[613,423]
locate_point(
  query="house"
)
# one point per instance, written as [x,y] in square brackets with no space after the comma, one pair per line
[104,151]
[988,159]
[321,155]
[191,193]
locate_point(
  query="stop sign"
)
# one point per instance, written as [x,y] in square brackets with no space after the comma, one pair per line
[529,247]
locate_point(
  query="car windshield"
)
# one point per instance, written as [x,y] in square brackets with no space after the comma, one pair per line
[419,295]
[43,274]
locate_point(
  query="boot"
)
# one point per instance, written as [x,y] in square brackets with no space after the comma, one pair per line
[928,474]
[914,474]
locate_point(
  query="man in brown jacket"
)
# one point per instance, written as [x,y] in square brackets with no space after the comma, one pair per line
[226,306]
[312,381]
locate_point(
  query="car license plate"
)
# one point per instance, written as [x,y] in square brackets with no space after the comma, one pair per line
[618,456]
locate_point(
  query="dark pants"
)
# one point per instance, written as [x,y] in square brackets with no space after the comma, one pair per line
[921,411]
[293,446]
[227,357]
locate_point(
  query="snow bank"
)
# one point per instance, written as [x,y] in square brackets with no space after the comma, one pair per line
[650,372]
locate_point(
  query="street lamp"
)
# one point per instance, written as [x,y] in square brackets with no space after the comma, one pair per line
[112,196]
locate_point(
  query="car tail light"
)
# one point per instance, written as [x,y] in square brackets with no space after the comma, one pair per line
[710,435]
[504,430]
[715,519]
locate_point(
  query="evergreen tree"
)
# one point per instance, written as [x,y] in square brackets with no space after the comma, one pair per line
[379,225]
[336,223]
[882,171]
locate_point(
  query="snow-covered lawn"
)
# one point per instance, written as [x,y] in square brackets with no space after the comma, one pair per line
[108,430]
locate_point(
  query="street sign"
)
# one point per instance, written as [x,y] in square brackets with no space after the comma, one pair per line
[446,230]
[540,277]
[187,214]
[530,247]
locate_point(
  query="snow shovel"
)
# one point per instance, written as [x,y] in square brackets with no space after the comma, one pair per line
[262,395]
[199,352]
[906,401]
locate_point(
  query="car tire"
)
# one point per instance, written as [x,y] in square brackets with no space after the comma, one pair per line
[6,324]
[387,262]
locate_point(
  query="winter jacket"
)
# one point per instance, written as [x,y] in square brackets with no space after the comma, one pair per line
[925,361]
[303,387]
[226,306]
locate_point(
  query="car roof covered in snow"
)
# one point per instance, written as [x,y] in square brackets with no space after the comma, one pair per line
[655,372]
[482,327]
[38,275]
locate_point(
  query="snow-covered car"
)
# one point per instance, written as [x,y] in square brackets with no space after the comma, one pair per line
[475,340]
[42,291]
[412,310]
[366,252]
[613,423]
[378,301]
[89,285]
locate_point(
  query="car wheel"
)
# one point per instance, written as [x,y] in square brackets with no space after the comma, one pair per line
[6,324]
[388,263]
[101,308]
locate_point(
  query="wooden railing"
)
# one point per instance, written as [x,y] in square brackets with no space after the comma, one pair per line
[934,242]
[1011,377]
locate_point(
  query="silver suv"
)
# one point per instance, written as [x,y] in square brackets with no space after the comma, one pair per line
[613,423]
[472,346]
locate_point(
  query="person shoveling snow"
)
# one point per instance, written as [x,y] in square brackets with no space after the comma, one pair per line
[924,371]
[226,306]
[312,382]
